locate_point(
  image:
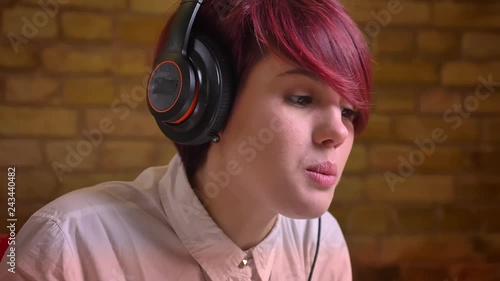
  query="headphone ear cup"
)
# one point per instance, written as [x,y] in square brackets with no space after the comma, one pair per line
[219,112]
[215,93]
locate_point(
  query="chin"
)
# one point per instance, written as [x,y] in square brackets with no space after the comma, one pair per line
[306,211]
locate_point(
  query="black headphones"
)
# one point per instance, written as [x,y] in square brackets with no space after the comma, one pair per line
[190,90]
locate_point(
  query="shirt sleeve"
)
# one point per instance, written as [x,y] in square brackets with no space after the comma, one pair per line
[42,252]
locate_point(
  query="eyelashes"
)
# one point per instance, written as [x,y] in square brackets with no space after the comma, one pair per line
[350,114]
[303,101]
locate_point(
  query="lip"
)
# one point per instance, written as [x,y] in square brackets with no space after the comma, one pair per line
[324,173]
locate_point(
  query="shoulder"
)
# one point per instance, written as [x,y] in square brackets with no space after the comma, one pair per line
[106,197]
[103,209]
[87,222]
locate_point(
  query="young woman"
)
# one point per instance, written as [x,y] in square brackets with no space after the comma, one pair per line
[247,199]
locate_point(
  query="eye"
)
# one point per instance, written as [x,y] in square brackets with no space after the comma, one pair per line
[349,114]
[302,101]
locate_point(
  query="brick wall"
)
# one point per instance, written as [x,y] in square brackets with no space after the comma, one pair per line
[419,199]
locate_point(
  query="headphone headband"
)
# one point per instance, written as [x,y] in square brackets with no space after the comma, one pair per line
[178,38]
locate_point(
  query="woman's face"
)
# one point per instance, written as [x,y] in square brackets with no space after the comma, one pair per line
[288,140]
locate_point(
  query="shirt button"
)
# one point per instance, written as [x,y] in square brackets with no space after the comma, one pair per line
[243,263]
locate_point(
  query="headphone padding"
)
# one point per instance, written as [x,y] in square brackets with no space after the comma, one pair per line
[221,113]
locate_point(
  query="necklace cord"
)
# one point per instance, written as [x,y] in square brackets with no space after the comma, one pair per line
[317,250]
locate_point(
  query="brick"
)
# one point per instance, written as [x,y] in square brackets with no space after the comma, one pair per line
[436,42]
[139,29]
[4,3]
[483,159]
[349,189]
[479,189]
[481,44]
[413,13]
[153,6]
[458,219]
[395,41]
[438,100]
[363,249]
[476,102]
[414,272]
[490,130]
[123,121]
[394,100]
[357,160]
[375,272]
[466,14]
[414,220]
[436,248]
[28,121]
[340,213]
[29,23]
[134,90]
[31,89]
[386,156]
[370,219]
[490,217]
[455,128]
[476,271]
[167,152]
[62,58]
[89,91]
[360,11]
[436,158]
[378,15]
[378,128]
[86,26]
[465,73]
[17,57]
[444,159]
[488,245]
[130,62]
[88,4]
[74,181]
[20,153]
[35,185]
[413,188]
[73,154]
[138,154]
[405,72]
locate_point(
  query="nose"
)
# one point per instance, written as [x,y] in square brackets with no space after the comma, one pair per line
[331,129]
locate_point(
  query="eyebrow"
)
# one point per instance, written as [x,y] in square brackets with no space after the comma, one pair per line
[300,71]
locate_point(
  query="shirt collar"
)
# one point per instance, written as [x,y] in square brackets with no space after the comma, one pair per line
[205,241]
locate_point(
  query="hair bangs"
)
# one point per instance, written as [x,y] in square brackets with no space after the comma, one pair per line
[321,38]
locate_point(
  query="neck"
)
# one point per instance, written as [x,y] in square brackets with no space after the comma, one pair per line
[242,219]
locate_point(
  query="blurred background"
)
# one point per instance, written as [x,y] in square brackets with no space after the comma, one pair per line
[419,200]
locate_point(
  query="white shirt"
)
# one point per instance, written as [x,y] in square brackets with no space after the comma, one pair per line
[155,228]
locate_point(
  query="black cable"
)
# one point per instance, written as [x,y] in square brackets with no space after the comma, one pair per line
[317,250]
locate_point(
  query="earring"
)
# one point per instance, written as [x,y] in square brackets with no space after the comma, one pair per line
[216,139]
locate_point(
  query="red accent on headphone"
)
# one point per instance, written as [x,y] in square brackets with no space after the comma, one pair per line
[191,108]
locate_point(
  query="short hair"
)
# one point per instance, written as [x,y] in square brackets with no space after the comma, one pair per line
[318,35]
